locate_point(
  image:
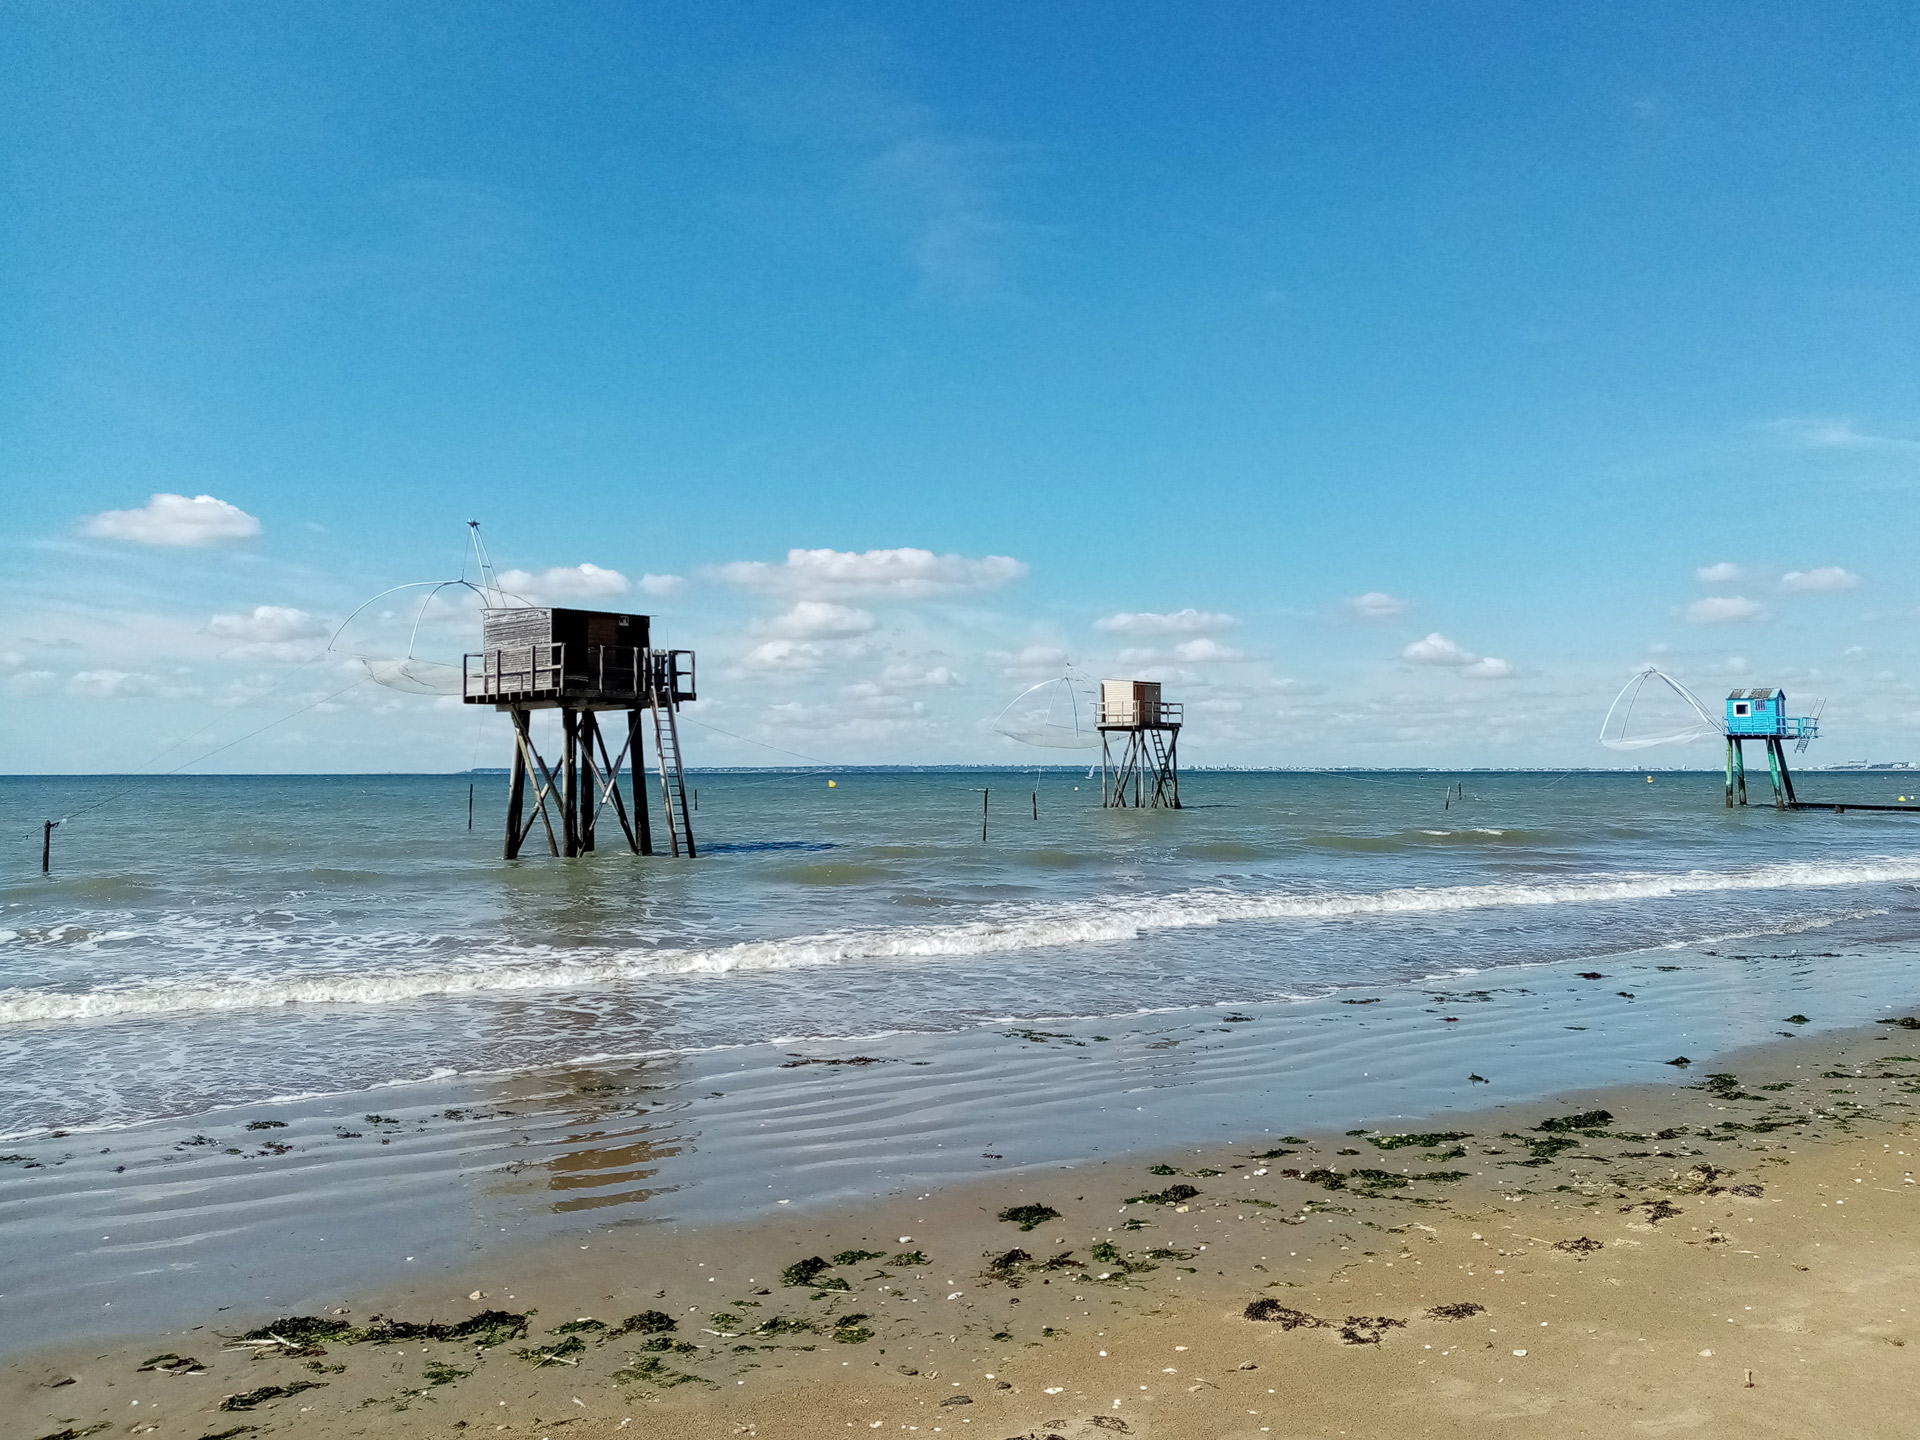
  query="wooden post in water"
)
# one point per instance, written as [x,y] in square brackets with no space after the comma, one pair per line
[469,806]
[1036,804]
[46,848]
[983,815]
[516,787]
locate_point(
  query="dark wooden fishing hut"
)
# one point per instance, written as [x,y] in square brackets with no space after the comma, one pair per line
[1146,774]
[586,663]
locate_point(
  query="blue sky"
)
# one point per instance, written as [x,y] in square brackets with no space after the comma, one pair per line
[1207,321]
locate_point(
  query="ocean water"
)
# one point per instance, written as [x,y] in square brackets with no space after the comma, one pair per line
[205,943]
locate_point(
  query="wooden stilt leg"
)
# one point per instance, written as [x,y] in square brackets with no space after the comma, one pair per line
[1775,759]
[642,816]
[1729,772]
[1786,776]
[589,732]
[1740,770]
[516,790]
[570,779]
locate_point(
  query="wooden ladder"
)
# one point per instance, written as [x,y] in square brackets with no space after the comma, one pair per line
[673,778]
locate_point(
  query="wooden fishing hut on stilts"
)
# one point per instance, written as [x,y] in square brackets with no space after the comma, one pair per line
[1761,714]
[1146,774]
[585,663]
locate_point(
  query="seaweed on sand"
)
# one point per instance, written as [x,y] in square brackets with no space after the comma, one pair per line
[1585,1120]
[909,1258]
[854,1257]
[653,1371]
[1271,1311]
[1456,1310]
[307,1330]
[1657,1210]
[847,1330]
[1031,1217]
[485,1329]
[560,1352]
[1172,1195]
[1426,1141]
[1368,1329]
[813,1271]
[646,1322]
[1584,1245]
[780,1325]
[247,1399]
[849,1060]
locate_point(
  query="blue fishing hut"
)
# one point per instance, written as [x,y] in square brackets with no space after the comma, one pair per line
[1761,714]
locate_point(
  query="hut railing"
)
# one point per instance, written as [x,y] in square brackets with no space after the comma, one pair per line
[1130,715]
[556,669]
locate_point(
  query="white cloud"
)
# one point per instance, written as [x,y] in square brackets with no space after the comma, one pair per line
[268,624]
[905,574]
[820,619]
[1725,609]
[661,586]
[28,682]
[1205,649]
[1826,577]
[1033,658]
[1437,649]
[1376,605]
[175,520]
[1734,665]
[1718,574]
[565,582]
[1832,434]
[1489,668]
[791,657]
[939,676]
[120,684]
[1176,622]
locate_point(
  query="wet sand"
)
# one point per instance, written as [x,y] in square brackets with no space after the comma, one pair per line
[1723,1253]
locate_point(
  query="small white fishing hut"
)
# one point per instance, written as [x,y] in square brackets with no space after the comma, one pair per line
[1147,773]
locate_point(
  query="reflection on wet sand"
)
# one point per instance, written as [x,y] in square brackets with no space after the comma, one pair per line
[589,1154]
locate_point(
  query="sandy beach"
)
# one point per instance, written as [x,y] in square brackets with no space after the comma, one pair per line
[1729,1253]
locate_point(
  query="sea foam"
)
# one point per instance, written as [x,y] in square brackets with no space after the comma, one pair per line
[1000,929]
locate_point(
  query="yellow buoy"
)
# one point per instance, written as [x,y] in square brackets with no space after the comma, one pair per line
[833,784]
[1649,779]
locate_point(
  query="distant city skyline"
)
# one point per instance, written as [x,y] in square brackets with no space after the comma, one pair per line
[1391,382]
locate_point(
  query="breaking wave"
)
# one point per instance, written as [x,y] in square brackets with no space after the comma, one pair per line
[1005,929]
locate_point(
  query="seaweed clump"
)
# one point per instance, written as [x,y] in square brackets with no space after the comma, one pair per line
[646,1322]
[1172,1195]
[1456,1310]
[1271,1311]
[1584,1245]
[307,1330]
[247,1399]
[813,1271]
[560,1352]
[848,1330]
[1424,1141]
[1585,1120]
[1029,1217]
